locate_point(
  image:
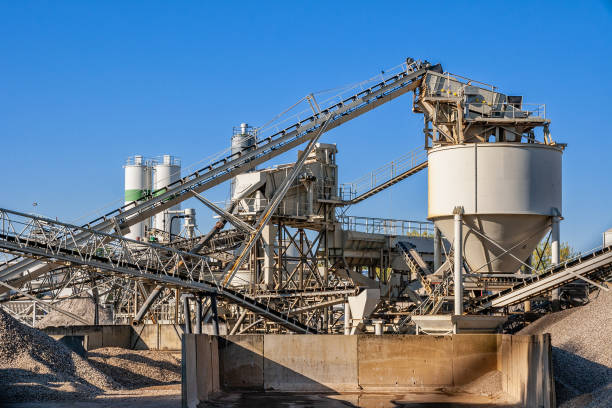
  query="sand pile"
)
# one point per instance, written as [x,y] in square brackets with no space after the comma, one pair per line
[137,368]
[582,352]
[82,307]
[34,367]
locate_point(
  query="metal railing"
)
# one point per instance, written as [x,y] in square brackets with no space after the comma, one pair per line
[387,226]
[376,178]
[506,110]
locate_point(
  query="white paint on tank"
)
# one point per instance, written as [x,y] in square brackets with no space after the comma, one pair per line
[167,172]
[137,179]
[508,191]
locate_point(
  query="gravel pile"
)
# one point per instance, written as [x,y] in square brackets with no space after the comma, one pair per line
[34,367]
[82,307]
[489,384]
[582,352]
[137,368]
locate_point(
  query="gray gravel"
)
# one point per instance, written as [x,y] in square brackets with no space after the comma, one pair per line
[582,352]
[82,307]
[35,367]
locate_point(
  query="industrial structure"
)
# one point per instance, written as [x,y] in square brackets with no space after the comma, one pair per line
[284,256]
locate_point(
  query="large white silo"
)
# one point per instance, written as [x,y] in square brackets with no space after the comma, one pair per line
[167,171]
[137,185]
[509,192]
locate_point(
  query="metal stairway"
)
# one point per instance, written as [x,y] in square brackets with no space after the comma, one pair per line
[596,265]
[384,177]
[416,264]
[113,255]
[265,148]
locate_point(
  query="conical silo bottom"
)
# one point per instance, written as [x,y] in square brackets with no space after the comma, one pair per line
[518,234]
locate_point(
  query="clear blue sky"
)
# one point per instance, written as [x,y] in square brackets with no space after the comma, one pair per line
[84,84]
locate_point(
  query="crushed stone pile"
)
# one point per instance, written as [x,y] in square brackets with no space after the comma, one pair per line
[82,307]
[35,367]
[137,368]
[582,352]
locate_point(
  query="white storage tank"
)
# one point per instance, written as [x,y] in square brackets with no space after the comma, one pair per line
[167,171]
[242,138]
[137,185]
[509,191]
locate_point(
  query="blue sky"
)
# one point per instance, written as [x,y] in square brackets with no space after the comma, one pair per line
[83,85]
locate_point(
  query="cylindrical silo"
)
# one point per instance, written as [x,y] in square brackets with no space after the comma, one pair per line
[242,139]
[509,192]
[137,185]
[167,171]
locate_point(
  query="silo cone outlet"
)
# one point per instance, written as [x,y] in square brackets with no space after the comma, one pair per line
[517,234]
[508,191]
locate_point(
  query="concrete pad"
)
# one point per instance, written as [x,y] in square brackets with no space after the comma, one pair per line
[242,362]
[405,361]
[321,363]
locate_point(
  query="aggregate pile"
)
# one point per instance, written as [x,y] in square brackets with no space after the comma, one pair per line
[582,352]
[35,367]
[82,307]
[137,368]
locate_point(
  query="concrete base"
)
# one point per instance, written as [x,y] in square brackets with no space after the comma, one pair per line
[451,324]
[366,365]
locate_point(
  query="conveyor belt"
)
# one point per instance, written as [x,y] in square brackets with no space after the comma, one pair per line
[596,265]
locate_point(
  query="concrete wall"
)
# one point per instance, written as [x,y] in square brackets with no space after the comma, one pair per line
[366,363]
[144,337]
[526,366]
[200,379]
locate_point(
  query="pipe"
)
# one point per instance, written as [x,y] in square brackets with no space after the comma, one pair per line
[238,323]
[458,257]
[378,327]
[198,317]
[437,249]
[555,250]
[213,305]
[147,303]
[347,318]
[187,315]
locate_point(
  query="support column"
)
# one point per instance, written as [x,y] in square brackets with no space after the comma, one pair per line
[213,307]
[437,249]
[458,258]
[186,315]
[527,303]
[347,318]
[198,317]
[268,235]
[555,247]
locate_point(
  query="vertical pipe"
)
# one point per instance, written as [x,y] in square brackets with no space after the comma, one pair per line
[437,249]
[378,327]
[458,261]
[527,303]
[213,305]
[198,317]
[554,259]
[186,315]
[347,318]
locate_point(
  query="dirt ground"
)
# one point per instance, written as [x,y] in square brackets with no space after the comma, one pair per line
[164,396]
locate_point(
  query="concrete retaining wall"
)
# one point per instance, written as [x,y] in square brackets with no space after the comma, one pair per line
[144,337]
[526,366]
[366,363]
[200,379]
